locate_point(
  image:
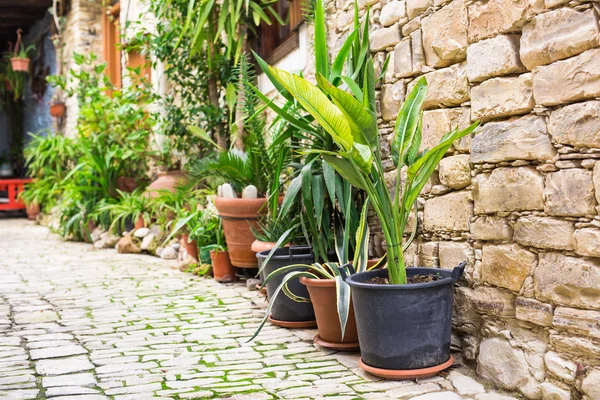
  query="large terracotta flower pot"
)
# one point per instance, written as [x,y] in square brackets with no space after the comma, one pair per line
[166,180]
[323,297]
[140,223]
[238,216]
[223,271]
[58,110]
[33,210]
[190,247]
[20,64]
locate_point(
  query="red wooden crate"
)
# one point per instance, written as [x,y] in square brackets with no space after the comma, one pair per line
[14,187]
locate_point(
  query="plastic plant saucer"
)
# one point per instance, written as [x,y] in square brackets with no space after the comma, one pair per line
[336,346]
[404,374]
[293,324]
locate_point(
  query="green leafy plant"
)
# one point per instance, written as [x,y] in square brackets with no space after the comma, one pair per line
[25,51]
[350,122]
[129,207]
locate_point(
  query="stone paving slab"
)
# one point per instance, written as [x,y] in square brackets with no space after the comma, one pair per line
[86,324]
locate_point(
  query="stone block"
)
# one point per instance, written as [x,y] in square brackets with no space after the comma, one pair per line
[445,35]
[416,7]
[493,301]
[403,58]
[384,38]
[596,180]
[450,212]
[507,366]
[576,125]
[446,87]
[552,392]
[506,265]
[494,57]
[490,18]
[491,228]
[578,347]
[418,54]
[543,232]
[587,242]
[570,80]
[557,35]
[533,311]
[436,123]
[428,254]
[569,281]
[570,192]
[502,97]
[392,97]
[560,367]
[591,384]
[455,171]
[583,322]
[524,138]
[453,253]
[392,12]
[508,189]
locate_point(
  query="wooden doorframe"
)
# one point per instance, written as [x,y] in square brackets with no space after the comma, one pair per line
[112,53]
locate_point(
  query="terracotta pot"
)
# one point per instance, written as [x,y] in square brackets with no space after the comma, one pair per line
[258,246]
[20,64]
[126,184]
[33,210]
[238,215]
[140,223]
[190,247]
[168,180]
[223,271]
[58,110]
[323,297]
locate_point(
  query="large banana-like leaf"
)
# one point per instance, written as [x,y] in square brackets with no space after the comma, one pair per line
[347,170]
[318,105]
[407,123]
[362,124]
[329,176]
[318,194]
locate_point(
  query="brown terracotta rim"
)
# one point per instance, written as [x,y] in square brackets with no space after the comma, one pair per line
[317,282]
[404,374]
[293,324]
[336,346]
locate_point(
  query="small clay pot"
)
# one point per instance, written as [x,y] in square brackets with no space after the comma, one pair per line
[166,180]
[140,223]
[223,271]
[58,109]
[20,64]
[33,210]
[239,216]
[190,247]
[323,297]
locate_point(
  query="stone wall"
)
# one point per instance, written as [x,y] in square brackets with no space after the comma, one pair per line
[82,35]
[519,200]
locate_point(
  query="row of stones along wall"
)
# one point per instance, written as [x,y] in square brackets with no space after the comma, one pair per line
[520,199]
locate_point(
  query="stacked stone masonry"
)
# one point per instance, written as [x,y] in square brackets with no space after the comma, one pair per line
[520,200]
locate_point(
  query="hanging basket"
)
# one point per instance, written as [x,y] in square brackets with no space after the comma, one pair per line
[58,109]
[20,64]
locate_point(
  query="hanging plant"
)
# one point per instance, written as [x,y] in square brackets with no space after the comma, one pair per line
[20,59]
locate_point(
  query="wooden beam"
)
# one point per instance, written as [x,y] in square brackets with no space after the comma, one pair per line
[25,4]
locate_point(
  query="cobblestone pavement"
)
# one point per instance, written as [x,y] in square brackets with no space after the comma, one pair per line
[79,323]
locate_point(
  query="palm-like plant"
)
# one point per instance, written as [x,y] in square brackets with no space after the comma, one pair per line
[350,122]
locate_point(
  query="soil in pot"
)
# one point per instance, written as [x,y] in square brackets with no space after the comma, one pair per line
[223,271]
[323,297]
[190,247]
[404,327]
[238,216]
[285,310]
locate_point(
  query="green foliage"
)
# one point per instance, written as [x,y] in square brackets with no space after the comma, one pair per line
[128,207]
[25,51]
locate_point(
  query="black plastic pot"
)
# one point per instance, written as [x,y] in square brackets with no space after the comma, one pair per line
[404,327]
[284,308]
